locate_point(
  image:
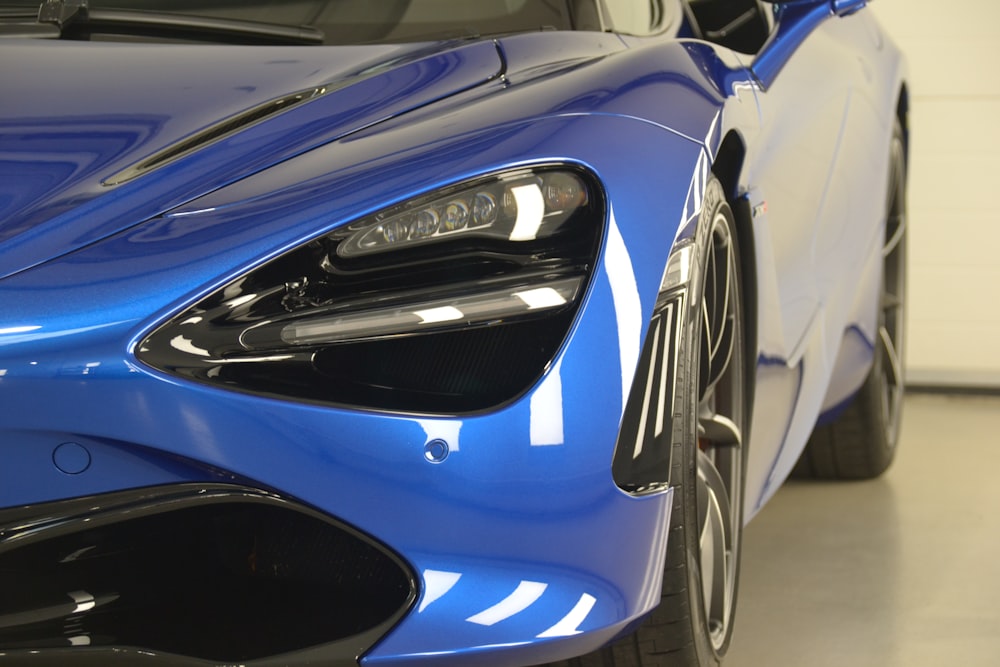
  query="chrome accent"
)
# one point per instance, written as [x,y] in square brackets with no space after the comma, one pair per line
[678,271]
[482,309]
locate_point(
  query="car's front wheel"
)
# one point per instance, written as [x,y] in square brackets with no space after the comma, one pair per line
[693,623]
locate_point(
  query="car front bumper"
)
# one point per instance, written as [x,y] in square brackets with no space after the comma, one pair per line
[521,547]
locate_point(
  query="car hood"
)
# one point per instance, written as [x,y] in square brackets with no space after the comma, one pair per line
[95,138]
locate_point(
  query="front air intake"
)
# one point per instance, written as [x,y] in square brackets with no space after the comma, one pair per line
[216,573]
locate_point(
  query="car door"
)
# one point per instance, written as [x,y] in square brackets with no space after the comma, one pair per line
[816,175]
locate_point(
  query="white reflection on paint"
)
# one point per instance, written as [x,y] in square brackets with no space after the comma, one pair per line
[678,271]
[710,137]
[570,623]
[547,410]
[542,297]
[19,330]
[530,212]
[641,432]
[442,429]
[653,579]
[252,360]
[483,647]
[187,345]
[665,376]
[240,300]
[628,307]
[84,601]
[436,585]
[184,214]
[79,552]
[525,595]
[696,192]
[442,314]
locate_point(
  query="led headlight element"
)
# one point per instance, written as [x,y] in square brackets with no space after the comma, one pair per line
[488,307]
[455,300]
[514,208]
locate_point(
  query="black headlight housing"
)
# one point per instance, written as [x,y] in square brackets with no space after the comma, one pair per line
[451,302]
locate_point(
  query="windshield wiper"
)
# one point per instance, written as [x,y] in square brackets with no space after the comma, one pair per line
[73,19]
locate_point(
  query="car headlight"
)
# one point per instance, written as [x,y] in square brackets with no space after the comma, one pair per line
[450,302]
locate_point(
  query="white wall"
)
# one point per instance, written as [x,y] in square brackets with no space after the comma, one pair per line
[954,300]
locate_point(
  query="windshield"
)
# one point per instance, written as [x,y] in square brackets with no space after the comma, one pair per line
[367,21]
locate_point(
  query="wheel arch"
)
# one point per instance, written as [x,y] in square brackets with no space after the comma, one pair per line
[727,167]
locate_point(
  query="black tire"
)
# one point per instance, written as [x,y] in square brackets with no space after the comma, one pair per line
[692,625]
[861,442]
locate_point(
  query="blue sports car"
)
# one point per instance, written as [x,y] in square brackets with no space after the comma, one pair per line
[430,332]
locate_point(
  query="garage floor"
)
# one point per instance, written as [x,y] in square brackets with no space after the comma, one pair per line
[900,571]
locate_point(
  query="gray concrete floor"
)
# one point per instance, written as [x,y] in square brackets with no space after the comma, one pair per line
[900,571]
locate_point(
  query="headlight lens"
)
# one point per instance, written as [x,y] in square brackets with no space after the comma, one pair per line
[520,207]
[451,302]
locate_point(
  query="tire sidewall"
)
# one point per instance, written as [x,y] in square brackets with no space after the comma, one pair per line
[714,203]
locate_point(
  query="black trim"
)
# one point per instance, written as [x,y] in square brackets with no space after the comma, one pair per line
[642,459]
[192,574]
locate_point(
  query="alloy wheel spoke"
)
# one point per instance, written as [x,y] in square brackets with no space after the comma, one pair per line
[706,542]
[891,302]
[894,373]
[715,542]
[720,414]
[897,225]
[721,431]
[718,316]
[891,326]
[723,351]
[720,296]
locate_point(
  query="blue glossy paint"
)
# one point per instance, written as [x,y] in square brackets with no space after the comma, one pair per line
[368,469]
[55,159]
[833,249]
[795,22]
[526,552]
